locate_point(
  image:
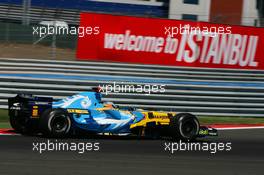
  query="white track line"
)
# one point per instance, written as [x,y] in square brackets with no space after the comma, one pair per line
[7,134]
[244,127]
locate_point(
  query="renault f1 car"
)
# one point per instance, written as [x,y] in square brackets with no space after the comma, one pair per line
[87,112]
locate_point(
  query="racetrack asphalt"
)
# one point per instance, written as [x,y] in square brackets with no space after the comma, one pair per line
[125,155]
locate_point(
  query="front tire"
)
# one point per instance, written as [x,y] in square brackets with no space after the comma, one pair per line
[184,126]
[55,123]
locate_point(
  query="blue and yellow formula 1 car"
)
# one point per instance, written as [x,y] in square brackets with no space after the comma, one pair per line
[86,112]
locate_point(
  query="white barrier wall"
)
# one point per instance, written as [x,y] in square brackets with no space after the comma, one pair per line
[202,91]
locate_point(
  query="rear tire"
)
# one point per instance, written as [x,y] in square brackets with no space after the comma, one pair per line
[184,126]
[18,125]
[55,123]
[23,126]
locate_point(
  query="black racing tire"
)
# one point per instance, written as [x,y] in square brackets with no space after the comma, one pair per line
[18,125]
[184,126]
[23,126]
[55,123]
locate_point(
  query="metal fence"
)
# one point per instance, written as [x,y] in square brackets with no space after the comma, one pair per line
[202,91]
[19,37]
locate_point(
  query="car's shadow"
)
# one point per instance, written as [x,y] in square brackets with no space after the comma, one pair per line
[119,137]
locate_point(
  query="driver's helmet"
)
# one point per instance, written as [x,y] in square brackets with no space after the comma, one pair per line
[110,105]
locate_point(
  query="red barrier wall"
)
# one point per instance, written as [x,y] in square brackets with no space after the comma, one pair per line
[156,41]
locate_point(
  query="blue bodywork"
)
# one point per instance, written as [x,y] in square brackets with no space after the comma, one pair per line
[98,117]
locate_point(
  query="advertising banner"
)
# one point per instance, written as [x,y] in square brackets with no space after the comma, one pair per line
[169,42]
